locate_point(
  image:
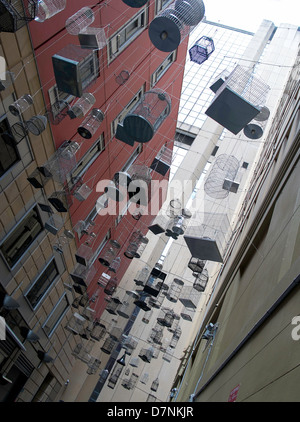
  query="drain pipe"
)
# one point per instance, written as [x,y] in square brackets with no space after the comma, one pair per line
[262,320]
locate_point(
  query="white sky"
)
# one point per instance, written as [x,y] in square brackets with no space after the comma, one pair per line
[248,14]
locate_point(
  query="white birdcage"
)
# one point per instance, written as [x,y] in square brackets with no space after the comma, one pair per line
[82,106]
[125,310]
[93,365]
[91,123]
[48,8]
[221,178]
[143,121]
[142,276]
[169,28]
[92,38]
[134,242]
[36,124]
[207,236]
[189,297]
[238,100]
[76,324]
[163,160]
[80,20]
[21,105]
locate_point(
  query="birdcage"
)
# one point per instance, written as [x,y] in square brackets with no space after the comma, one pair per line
[207,236]
[129,343]
[255,128]
[80,20]
[113,305]
[147,316]
[84,255]
[58,111]
[141,123]
[13,14]
[153,285]
[143,302]
[163,160]
[123,77]
[156,334]
[116,333]
[175,290]
[133,245]
[92,38]
[134,362]
[179,225]
[19,131]
[111,286]
[175,338]
[75,68]
[36,124]
[98,331]
[196,264]
[167,356]
[110,253]
[76,324]
[83,275]
[238,100]
[155,385]
[54,223]
[156,302]
[146,354]
[116,373]
[130,383]
[109,345]
[115,264]
[141,247]
[166,317]
[189,297]
[82,192]
[201,280]
[144,378]
[62,162]
[125,310]
[142,276]
[21,104]
[169,28]
[6,80]
[82,106]
[201,50]
[91,123]
[93,365]
[48,8]
[37,179]
[220,179]
[60,201]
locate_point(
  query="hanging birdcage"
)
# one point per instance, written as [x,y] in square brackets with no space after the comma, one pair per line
[116,373]
[83,275]
[189,297]
[98,330]
[142,276]
[84,255]
[223,172]
[134,243]
[82,106]
[58,111]
[156,302]
[135,3]
[169,28]
[166,317]
[175,290]
[93,365]
[60,201]
[143,121]
[92,38]
[129,343]
[126,309]
[201,50]
[113,305]
[54,223]
[167,356]
[219,80]
[239,100]
[143,302]
[91,123]
[80,20]
[116,333]
[255,128]
[159,225]
[13,14]
[147,316]
[163,160]
[122,77]
[175,338]
[140,184]
[36,124]
[156,334]
[196,264]
[21,104]
[146,354]
[109,345]
[134,362]
[48,8]
[144,378]
[110,253]
[207,236]
[115,264]
[37,179]
[111,286]
[154,283]
[201,280]
[154,385]
[76,324]
[71,65]
[82,192]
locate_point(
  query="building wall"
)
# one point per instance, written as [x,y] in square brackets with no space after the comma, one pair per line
[28,53]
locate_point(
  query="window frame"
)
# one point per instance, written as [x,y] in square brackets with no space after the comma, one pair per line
[59,317]
[13,145]
[163,67]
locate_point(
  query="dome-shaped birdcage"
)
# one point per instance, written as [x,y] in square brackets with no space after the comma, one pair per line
[82,106]
[201,50]
[142,276]
[134,242]
[201,280]
[110,253]
[36,124]
[141,123]
[21,104]
[225,168]
[91,123]
[174,290]
[168,29]
[80,20]
[48,8]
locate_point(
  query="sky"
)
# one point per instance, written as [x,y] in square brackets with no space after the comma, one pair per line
[248,14]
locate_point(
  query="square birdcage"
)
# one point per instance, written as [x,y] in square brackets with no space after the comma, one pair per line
[54,224]
[84,255]
[163,160]
[189,297]
[238,100]
[207,236]
[83,275]
[154,283]
[15,14]
[201,50]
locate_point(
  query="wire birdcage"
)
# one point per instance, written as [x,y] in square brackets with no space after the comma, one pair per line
[201,50]
[83,275]
[113,305]
[116,373]
[224,169]
[48,8]
[142,122]
[91,123]
[142,276]
[82,106]
[84,255]
[201,280]
[92,38]
[163,160]
[174,290]
[126,309]
[80,20]
[109,345]
[14,15]
[146,354]
[159,224]
[166,317]
[98,331]
[54,223]
[134,242]
[21,104]
[111,286]
[154,283]
[169,28]
[110,253]
[36,124]
[155,385]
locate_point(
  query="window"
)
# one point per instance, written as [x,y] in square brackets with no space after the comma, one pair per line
[126,110]
[121,39]
[161,4]
[56,315]
[87,160]
[21,237]
[42,284]
[155,77]
[9,152]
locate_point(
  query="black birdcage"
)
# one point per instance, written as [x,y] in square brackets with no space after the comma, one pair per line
[15,14]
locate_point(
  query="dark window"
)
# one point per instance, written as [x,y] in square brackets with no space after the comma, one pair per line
[21,237]
[42,284]
[9,153]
